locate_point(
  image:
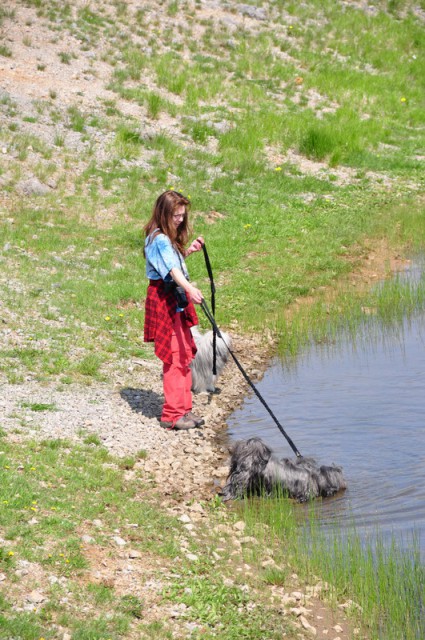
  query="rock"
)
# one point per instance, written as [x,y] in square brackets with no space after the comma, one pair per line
[307,626]
[119,541]
[248,540]
[197,508]
[300,611]
[256,13]
[268,562]
[32,187]
[87,539]
[185,518]
[36,597]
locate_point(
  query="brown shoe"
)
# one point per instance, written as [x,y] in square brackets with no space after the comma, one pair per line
[196,419]
[184,423]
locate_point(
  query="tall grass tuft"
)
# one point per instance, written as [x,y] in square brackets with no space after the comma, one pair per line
[378,579]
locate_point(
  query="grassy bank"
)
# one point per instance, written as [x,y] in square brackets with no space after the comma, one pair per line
[381,583]
[298,143]
[89,554]
[297,131]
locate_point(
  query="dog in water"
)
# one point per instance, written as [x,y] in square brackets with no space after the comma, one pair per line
[203,378]
[254,470]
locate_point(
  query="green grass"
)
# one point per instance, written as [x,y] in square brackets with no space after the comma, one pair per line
[38,406]
[53,491]
[213,111]
[384,582]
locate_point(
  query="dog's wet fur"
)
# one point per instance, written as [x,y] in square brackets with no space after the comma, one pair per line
[254,470]
[203,378]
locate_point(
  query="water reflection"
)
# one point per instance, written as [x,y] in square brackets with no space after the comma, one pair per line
[360,406]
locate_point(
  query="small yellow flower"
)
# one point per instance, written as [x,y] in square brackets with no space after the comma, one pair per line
[6,466]
[403,99]
[5,501]
[34,502]
[11,553]
[33,469]
[33,508]
[278,168]
[61,555]
[247,226]
[67,561]
[107,318]
[121,315]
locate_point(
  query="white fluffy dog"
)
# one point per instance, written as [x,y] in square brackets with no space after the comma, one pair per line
[203,378]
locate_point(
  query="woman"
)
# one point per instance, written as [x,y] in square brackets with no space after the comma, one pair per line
[167,320]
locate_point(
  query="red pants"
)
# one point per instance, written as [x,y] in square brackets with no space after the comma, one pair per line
[177,376]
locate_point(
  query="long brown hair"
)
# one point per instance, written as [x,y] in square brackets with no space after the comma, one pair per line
[162,218]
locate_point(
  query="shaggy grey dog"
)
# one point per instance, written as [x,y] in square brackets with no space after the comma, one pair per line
[202,365]
[254,470]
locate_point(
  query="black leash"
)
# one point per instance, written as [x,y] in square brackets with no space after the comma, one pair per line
[212,285]
[249,381]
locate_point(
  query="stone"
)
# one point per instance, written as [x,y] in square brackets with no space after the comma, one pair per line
[87,539]
[32,187]
[185,518]
[300,611]
[307,626]
[36,597]
[248,540]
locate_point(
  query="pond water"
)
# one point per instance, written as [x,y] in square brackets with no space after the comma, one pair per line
[360,406]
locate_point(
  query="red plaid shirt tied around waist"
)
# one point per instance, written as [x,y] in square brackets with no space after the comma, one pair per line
[160,309]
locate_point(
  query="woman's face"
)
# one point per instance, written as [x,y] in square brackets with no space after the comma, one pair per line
[178,215]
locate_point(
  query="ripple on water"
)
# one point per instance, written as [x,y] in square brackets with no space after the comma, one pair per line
[362,408]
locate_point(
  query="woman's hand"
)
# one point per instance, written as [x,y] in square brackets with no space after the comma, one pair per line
[195,294]
[195,246]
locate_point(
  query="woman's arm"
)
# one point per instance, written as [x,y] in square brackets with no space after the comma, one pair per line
[194,293]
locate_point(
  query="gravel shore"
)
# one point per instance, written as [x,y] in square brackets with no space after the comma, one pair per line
[125,420]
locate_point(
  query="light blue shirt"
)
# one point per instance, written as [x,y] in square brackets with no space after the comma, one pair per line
[161,257]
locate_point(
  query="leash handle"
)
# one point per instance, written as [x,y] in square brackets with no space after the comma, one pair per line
[248,380]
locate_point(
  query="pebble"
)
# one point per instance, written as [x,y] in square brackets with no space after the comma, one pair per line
[307,626]
[36,597]
[119,541]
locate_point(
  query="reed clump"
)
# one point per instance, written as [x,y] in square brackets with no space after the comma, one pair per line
[380,582]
